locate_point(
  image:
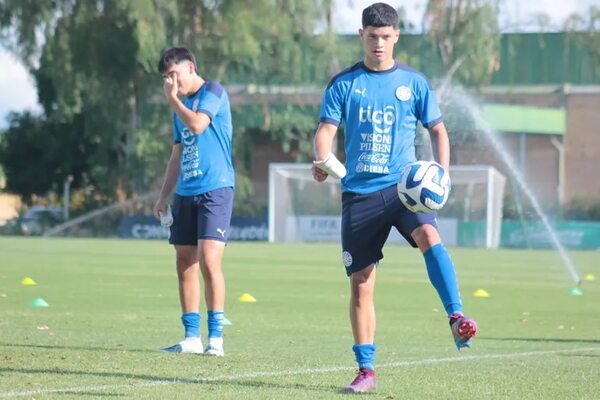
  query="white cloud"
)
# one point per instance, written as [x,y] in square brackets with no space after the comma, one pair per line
[17,88]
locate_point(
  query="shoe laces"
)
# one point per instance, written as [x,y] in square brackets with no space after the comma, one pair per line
[362,373]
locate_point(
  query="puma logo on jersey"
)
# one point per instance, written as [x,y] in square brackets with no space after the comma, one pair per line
[221,231]
[362,92]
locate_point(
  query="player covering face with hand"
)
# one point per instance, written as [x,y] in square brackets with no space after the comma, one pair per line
[200,170]
[380,102]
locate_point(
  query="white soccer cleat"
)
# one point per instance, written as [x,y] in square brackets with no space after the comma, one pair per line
[191,345]
[215,347]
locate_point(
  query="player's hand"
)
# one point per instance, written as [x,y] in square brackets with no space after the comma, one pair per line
[170,85]
[318,174]
[159,208]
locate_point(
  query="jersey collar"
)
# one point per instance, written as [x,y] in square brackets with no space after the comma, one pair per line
[364,66]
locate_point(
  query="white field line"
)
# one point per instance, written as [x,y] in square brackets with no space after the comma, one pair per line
[272,374]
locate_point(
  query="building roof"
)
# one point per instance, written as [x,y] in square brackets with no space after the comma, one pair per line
[526,119]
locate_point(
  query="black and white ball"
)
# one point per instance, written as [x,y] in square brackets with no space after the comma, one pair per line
[424,186]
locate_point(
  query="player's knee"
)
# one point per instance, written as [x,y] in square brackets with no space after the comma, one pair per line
[185,260]
[426,236]
[363,278]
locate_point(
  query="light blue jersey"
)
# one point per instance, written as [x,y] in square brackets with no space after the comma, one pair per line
[206,158]
[380,110]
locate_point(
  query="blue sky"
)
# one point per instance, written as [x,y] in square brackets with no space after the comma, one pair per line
[17,91]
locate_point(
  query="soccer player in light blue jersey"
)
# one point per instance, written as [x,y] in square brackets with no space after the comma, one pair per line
[200,170]
[380,101]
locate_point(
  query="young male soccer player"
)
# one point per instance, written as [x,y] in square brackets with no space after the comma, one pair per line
[201,168]
[381,101]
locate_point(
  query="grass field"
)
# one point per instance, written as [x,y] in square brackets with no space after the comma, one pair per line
[113,303]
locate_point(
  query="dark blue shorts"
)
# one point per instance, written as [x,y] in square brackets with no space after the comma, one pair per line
[205,216]
[366,224]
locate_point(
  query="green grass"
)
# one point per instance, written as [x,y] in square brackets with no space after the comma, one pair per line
[113,303]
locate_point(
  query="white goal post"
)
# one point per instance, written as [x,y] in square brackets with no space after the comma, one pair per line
[303,210]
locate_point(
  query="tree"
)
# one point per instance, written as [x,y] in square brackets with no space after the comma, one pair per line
[466,36]
[585,30]
[34,162]
[94,64]
[270,43]
[93,78]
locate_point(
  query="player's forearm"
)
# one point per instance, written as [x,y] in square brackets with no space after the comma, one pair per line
[440,135]
[322,148]
[170,179]
[323,141]
[196,122]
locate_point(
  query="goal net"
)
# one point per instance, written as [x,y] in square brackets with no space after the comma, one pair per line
[303,210]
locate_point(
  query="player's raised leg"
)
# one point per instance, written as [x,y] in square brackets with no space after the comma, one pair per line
[443,278]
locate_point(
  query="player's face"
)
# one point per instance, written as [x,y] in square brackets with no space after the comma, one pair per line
[183,73]
[378,44]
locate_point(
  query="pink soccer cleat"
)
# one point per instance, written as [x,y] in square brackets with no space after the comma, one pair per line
[364,382]
[463,329]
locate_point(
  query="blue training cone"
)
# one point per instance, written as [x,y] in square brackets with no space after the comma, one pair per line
[39,302]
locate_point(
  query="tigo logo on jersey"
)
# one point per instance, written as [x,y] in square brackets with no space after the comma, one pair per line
[403,93]
[382,120]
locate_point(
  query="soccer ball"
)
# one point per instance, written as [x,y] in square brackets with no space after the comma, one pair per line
[424,186]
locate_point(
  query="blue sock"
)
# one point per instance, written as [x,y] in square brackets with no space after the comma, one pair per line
[215,323]
[191,323]
[365,355]
[442,276]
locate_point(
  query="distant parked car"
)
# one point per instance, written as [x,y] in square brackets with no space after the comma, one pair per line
[37,219]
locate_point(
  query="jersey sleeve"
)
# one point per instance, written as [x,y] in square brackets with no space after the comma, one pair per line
[427,108]
[211,101]
[333,103]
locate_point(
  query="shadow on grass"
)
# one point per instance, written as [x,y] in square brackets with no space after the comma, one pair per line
[119,348]
[90,394]
[242,382]
[59,371]
[272,385]
[541,340]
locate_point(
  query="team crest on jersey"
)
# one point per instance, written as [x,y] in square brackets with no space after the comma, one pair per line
[347,257]
[403,93]
[195,105]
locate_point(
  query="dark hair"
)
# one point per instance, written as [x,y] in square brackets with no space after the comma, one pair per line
[173,56]
[378,15]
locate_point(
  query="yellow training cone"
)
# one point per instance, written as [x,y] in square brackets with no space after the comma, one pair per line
[27,281]
[589,277]
[247,298]
[481,293]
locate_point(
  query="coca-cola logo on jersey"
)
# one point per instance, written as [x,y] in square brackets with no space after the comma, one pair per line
[375,158]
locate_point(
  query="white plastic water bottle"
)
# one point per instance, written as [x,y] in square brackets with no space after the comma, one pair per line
[166,219]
